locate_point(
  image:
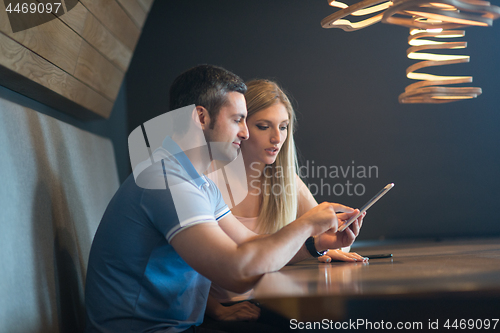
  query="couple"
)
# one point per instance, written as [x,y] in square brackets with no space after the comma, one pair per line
[156,250]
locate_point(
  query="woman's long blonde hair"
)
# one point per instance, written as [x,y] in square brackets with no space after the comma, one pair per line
[278,182]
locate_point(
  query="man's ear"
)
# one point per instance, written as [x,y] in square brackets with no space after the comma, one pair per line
[203,117]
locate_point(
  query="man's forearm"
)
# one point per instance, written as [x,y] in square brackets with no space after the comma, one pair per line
[302,254]
[272,252]
[237,266]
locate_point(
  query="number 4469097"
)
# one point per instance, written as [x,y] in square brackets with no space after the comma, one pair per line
[34,8]
[471,324]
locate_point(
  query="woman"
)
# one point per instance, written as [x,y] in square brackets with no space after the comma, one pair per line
[276,195]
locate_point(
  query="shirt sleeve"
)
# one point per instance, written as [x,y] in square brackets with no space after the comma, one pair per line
[221,208]
[182,205]
[192,205]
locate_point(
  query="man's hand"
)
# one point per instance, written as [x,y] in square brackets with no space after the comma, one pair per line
[332,239]
[323,217]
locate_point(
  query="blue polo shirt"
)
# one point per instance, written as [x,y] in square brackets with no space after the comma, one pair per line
[136,282]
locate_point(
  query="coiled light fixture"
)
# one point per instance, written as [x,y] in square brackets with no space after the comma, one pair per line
[432,24]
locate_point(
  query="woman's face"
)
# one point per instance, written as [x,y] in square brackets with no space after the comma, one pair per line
[268,129]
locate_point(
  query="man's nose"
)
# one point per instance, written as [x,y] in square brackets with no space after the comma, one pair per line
[243,133]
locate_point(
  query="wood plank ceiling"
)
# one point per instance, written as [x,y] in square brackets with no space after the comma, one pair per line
[76,62]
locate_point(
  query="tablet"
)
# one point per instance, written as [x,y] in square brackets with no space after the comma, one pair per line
[366,206]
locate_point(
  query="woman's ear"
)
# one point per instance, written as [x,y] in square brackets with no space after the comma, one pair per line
[203,118]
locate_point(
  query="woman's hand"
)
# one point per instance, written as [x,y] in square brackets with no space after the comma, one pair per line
[243,311]
[339,255]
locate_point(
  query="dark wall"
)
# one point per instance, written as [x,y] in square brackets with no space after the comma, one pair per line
[444,159]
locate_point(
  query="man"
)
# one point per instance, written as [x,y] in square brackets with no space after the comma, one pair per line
[167,232]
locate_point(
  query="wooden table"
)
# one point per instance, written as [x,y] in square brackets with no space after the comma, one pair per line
[425,280]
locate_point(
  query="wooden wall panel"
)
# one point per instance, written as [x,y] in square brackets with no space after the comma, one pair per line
[112,16]
[134,11]
[99,37]
[23,68]
[88,26]
[52,40]
[96,71]
[145,4]
[77,61]
[76,18]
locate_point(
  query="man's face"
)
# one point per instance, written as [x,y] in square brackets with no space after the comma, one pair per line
[229,130]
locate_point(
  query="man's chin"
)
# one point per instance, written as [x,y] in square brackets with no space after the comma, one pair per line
[224,152]
[225,158]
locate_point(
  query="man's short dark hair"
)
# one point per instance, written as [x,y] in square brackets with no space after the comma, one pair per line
[207,86]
